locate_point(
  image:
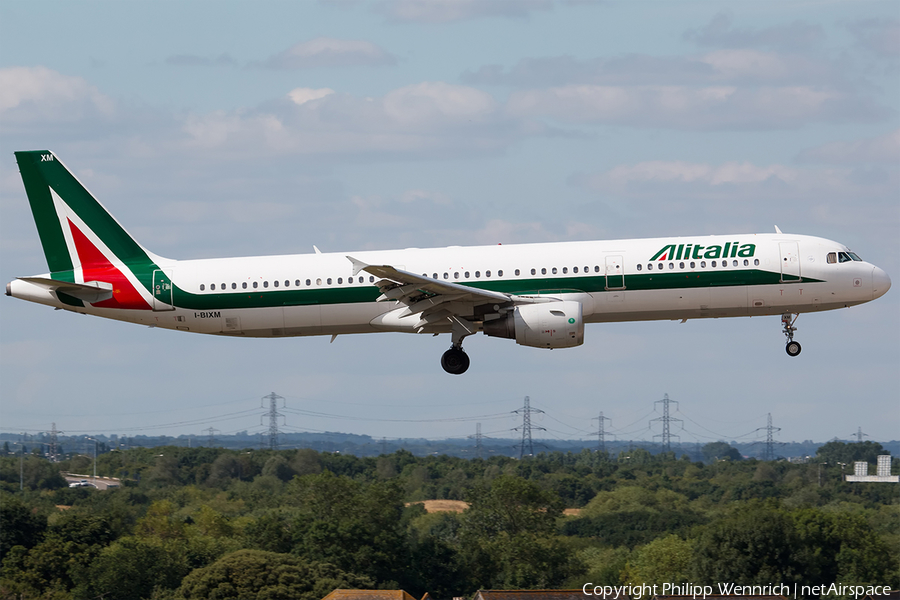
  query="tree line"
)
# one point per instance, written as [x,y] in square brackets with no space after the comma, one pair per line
[208,522]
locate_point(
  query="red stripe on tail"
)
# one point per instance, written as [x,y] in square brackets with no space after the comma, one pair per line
[97,267]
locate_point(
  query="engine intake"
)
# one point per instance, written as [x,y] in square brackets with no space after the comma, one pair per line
[557,324]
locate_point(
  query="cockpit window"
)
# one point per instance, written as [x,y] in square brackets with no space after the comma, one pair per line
[854,256]
[832,258]
[844,257]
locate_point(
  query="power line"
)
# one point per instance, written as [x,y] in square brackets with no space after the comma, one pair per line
[273,415]
[527,427]
[666,436]
[601,433]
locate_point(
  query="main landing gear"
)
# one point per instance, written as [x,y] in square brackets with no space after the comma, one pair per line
[788,320]
[455,360]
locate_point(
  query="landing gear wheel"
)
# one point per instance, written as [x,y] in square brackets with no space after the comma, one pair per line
[787,322]
[792,348]
[455,361]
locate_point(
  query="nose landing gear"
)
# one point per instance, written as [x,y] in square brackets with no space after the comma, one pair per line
[787,320]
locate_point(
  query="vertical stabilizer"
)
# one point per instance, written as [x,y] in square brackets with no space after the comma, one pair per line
[82,241]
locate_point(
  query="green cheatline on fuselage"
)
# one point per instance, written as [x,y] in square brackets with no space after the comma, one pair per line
[557,285]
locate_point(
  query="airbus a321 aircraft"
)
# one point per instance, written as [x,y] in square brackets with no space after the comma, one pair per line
[539,295]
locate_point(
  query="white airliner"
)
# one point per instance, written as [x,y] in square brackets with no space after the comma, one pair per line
[540,295]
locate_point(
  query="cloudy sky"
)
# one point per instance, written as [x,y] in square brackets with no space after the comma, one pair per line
[241,128]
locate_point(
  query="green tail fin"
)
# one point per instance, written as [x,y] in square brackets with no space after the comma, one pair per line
[63,208]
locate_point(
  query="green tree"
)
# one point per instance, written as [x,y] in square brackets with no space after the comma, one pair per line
[753,545]
[19,526]
[714,451]
[664,560]
[841,452]
[131,568]
[267,576]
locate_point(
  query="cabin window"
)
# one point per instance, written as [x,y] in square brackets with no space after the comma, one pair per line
[340,280]
[456,275]
[544,271]
[255,284]
[328,281]
[477,274]
[434,275]
[487,273]
[702,264]
[371,279]
[639,267]
[553,270]
[275,283]
[596,269]
[212,286]
[681,265]
[500,273]
[223,286]
[361,279]
[586,270]
[308,283]
[734,263]
[446,276]
[467,274]
[265,284]
[244,285]
[756,262]
[297,283]
[746,263]
[234,286]
[671,266]
[659,266]
[693,265]
[318,281]
[565,270]
[574,269]
[533,272]
[202,287]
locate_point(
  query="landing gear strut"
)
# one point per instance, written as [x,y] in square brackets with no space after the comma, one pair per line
[455,360]
[788,320]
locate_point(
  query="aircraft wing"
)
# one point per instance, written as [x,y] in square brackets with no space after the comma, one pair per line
[434,300]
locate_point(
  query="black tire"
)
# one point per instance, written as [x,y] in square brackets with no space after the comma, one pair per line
[792,348]
[455,361]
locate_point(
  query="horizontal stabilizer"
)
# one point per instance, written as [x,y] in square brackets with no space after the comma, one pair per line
[89,291]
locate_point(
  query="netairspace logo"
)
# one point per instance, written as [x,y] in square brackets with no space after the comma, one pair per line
[636,592]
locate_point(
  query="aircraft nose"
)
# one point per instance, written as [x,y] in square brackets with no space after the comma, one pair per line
[881,283]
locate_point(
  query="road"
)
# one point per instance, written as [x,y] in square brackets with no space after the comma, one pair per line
[101,483]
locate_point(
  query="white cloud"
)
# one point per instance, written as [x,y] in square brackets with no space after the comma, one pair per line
[719,32]
[727,66]
[304,95]
[878,35]
[883,149]
[432,103]
[686,108]
[330,52]
[426,117]
[39,93]
[445,11]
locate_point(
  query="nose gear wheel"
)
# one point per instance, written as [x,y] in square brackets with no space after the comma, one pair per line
[791,347]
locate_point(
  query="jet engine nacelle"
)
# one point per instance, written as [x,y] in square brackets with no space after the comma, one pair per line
[547,325]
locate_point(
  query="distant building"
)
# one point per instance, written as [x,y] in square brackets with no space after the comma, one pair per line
[539,595]
[882,471]
[369,595]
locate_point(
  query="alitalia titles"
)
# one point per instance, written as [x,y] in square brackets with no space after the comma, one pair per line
[696,251]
